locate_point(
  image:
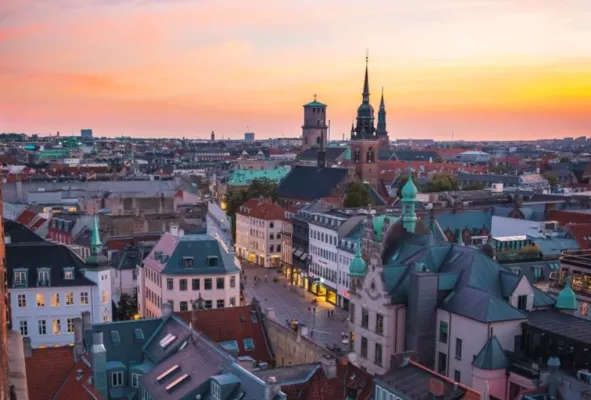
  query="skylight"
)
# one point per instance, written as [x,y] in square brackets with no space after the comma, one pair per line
[115,338]
[176,382]
[166,340]
[168,372]
[138,335]
[248,344]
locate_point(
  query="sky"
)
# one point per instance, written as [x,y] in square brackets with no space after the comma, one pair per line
[474,69]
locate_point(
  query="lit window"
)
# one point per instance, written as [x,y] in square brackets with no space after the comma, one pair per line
[69,274]
[105,297]
[22,300]
[57,327]
[24,327]
[40,300]
[42,327]
[55,299]
[69,298]
[84,298]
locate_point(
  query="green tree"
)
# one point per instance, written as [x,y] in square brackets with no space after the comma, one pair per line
[552,179]
[565,159]
[357,195]
[441,183]
[474,186]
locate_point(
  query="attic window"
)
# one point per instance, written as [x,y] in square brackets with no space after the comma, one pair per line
[248,344]
[68,273]
[216,391]
[138,335]
[212,261]
[115,338]
[188,262]
[43,277]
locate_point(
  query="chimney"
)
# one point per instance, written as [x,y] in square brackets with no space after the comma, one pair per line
[7,239]
[174,229]
[261,200]
[86,324]
[303,330]
[27,349]
[436,388]
[270,313]
[166,310]
[272,388]
[329,365]
[99,365]
[78,339]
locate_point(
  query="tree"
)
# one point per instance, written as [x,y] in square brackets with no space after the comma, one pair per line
[126,309]
[357,195]
[565,159]
[257,188]
[551,178]
[474,186]
[441,183]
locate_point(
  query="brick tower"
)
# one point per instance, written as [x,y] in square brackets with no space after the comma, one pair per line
[315,128]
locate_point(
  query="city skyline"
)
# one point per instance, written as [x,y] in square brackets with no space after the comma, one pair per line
[480,69]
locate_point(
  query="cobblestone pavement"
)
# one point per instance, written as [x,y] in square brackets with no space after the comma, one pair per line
[289,302]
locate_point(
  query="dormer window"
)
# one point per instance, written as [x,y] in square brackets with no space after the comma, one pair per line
[216,391]
[212,261]
[68,273]
[188,262]
[20,278]
[43,277]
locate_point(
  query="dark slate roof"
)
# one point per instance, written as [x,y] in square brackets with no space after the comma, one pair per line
[332,153]
[127,259]
[289,374]
[83,238]
[130,350]
[375,196]
[200,247]
[474,220]
[491,356]
[311,183]
[481,306]
[488,178]
[403,155]
[35,255]
[152,349]
[19,233]
[561,324]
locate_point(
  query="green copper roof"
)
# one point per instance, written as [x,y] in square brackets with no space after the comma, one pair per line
[378,225]
[314,104]
[492,356]
[567,300]
[95,239]
[409,190]
[243,177]
[357,266]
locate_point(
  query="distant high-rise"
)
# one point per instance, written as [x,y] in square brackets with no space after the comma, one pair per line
[4,304]
[212,136]
[85,133]
[315,128]
[249,137]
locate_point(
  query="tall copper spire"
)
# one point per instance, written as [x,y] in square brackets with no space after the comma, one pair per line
[366,82]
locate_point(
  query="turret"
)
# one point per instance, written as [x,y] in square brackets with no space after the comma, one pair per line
[567,299]
[409,193]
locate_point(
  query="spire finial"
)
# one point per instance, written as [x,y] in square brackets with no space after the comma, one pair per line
[366,80]
[366,57]
[314,96]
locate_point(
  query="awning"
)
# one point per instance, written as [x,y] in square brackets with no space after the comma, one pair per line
[304,256]
[297,253]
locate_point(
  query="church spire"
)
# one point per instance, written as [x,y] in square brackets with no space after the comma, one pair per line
[382,106]
[381,125]
[366,82]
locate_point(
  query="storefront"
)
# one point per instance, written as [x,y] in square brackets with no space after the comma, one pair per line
[331,296]
[317,288]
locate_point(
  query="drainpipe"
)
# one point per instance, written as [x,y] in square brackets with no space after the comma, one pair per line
[449,330]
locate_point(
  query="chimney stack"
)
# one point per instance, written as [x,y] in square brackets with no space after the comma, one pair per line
[78,339]
[99,365]
[436,388]
[27,349]
[166,310]
[86,324]
[272,388]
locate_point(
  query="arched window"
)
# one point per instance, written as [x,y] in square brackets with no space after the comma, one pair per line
[356,157]
[318,140]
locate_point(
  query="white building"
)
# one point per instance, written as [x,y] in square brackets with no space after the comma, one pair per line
[187,271]
[258,232]
[328,270]
[47,291]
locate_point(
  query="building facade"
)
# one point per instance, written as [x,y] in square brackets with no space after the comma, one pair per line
[189,271]
[258,232]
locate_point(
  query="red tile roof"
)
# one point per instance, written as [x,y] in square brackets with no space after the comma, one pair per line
[78,388]
[37,224]
[26,217]
[261,209]
[47,369]
[232,323]
[582,234]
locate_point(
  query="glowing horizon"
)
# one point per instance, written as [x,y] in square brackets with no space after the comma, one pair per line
[478,68]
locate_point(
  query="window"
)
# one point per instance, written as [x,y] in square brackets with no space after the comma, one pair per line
[184,306]
[220,283]
[212,261]
[458,349]
[363,347]
[24,327]
[117,379]
[248,344]
[208,304]
[69,298]
[22,300]
[220,304]
[271,224]
[378,355]
[271,249]
[207,283]
[379,324]
[271,236]
[522,302]
[442,363]
[20,278]
[135,380]
[70,324]
[232,301]
[57,327]
[352,313]
[84,298]
[232,282]
[183,285]
[105,297]
[443,332]
[457,376]
[169,284]
[195,284]
[42,327]
[43,278]
[69,274]
[584,309]
[188,262]
[364,318]
[40,300]
[55,299]
[216,391]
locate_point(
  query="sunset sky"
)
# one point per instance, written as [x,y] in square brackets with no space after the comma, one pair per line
[496,69]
